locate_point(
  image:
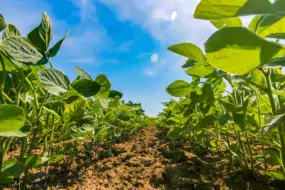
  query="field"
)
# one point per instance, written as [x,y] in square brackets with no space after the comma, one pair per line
[224,129]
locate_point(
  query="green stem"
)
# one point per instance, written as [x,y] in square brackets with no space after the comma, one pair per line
[250,152]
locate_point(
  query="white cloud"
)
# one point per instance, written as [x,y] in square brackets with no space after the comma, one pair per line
[173,15]
[82,60]
[154,58]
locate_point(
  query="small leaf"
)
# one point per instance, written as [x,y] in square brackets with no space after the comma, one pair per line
[83,74]
[179,88]
[11,118]
[113,94]
[86,87]
[41,36]
[2,23]
[274,123]
[20,50]
[105,86]
[189,50]
[54,81]
[5,177]
[10,31]
[201,70]
[275,175]
[279,93]
[33,161]
[54,50]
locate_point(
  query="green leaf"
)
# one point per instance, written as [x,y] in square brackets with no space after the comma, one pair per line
[105,86]
[33,161]
[86,87]
[274,123]
[11,118]
[5,177]
[54,50]
[20,50]
[257,77]
[189,64]
[255,22]
[189,50]
[179,88]
[278,62]
[114,93]
[2,23]
[221,9]
[272,26]
[15,133]
[279,93]
[275,175]
[175,133]
[229,22]
[10,31]
[41,36]
[241,54]
[83,74]
[54,81]
[201,70]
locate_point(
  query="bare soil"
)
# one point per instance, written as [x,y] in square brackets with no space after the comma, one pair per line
[148,160]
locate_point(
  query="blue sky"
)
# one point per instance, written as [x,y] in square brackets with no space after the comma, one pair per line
[124,39]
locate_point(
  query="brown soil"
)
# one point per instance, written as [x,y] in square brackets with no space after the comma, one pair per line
[148,160]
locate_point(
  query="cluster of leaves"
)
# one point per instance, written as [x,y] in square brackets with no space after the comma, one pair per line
[236,96]
[40,108]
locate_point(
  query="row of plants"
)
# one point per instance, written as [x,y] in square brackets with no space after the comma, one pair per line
[235,100]
[44,115]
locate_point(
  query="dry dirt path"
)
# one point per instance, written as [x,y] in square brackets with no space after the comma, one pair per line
[148,160]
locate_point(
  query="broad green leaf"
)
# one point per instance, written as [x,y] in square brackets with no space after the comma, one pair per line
[229,22]
[83,74]
[11,118]
[201,70]
[274,123]
[105,86]
[20,50]
[33,161]
[54,50]
[10,31]
[221,9]
[242,53]
[188,50]
[2,23]
[272,26]
[41,36]
[175,132]
[179,88]
[86,87]
[114,93]
[54,81]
